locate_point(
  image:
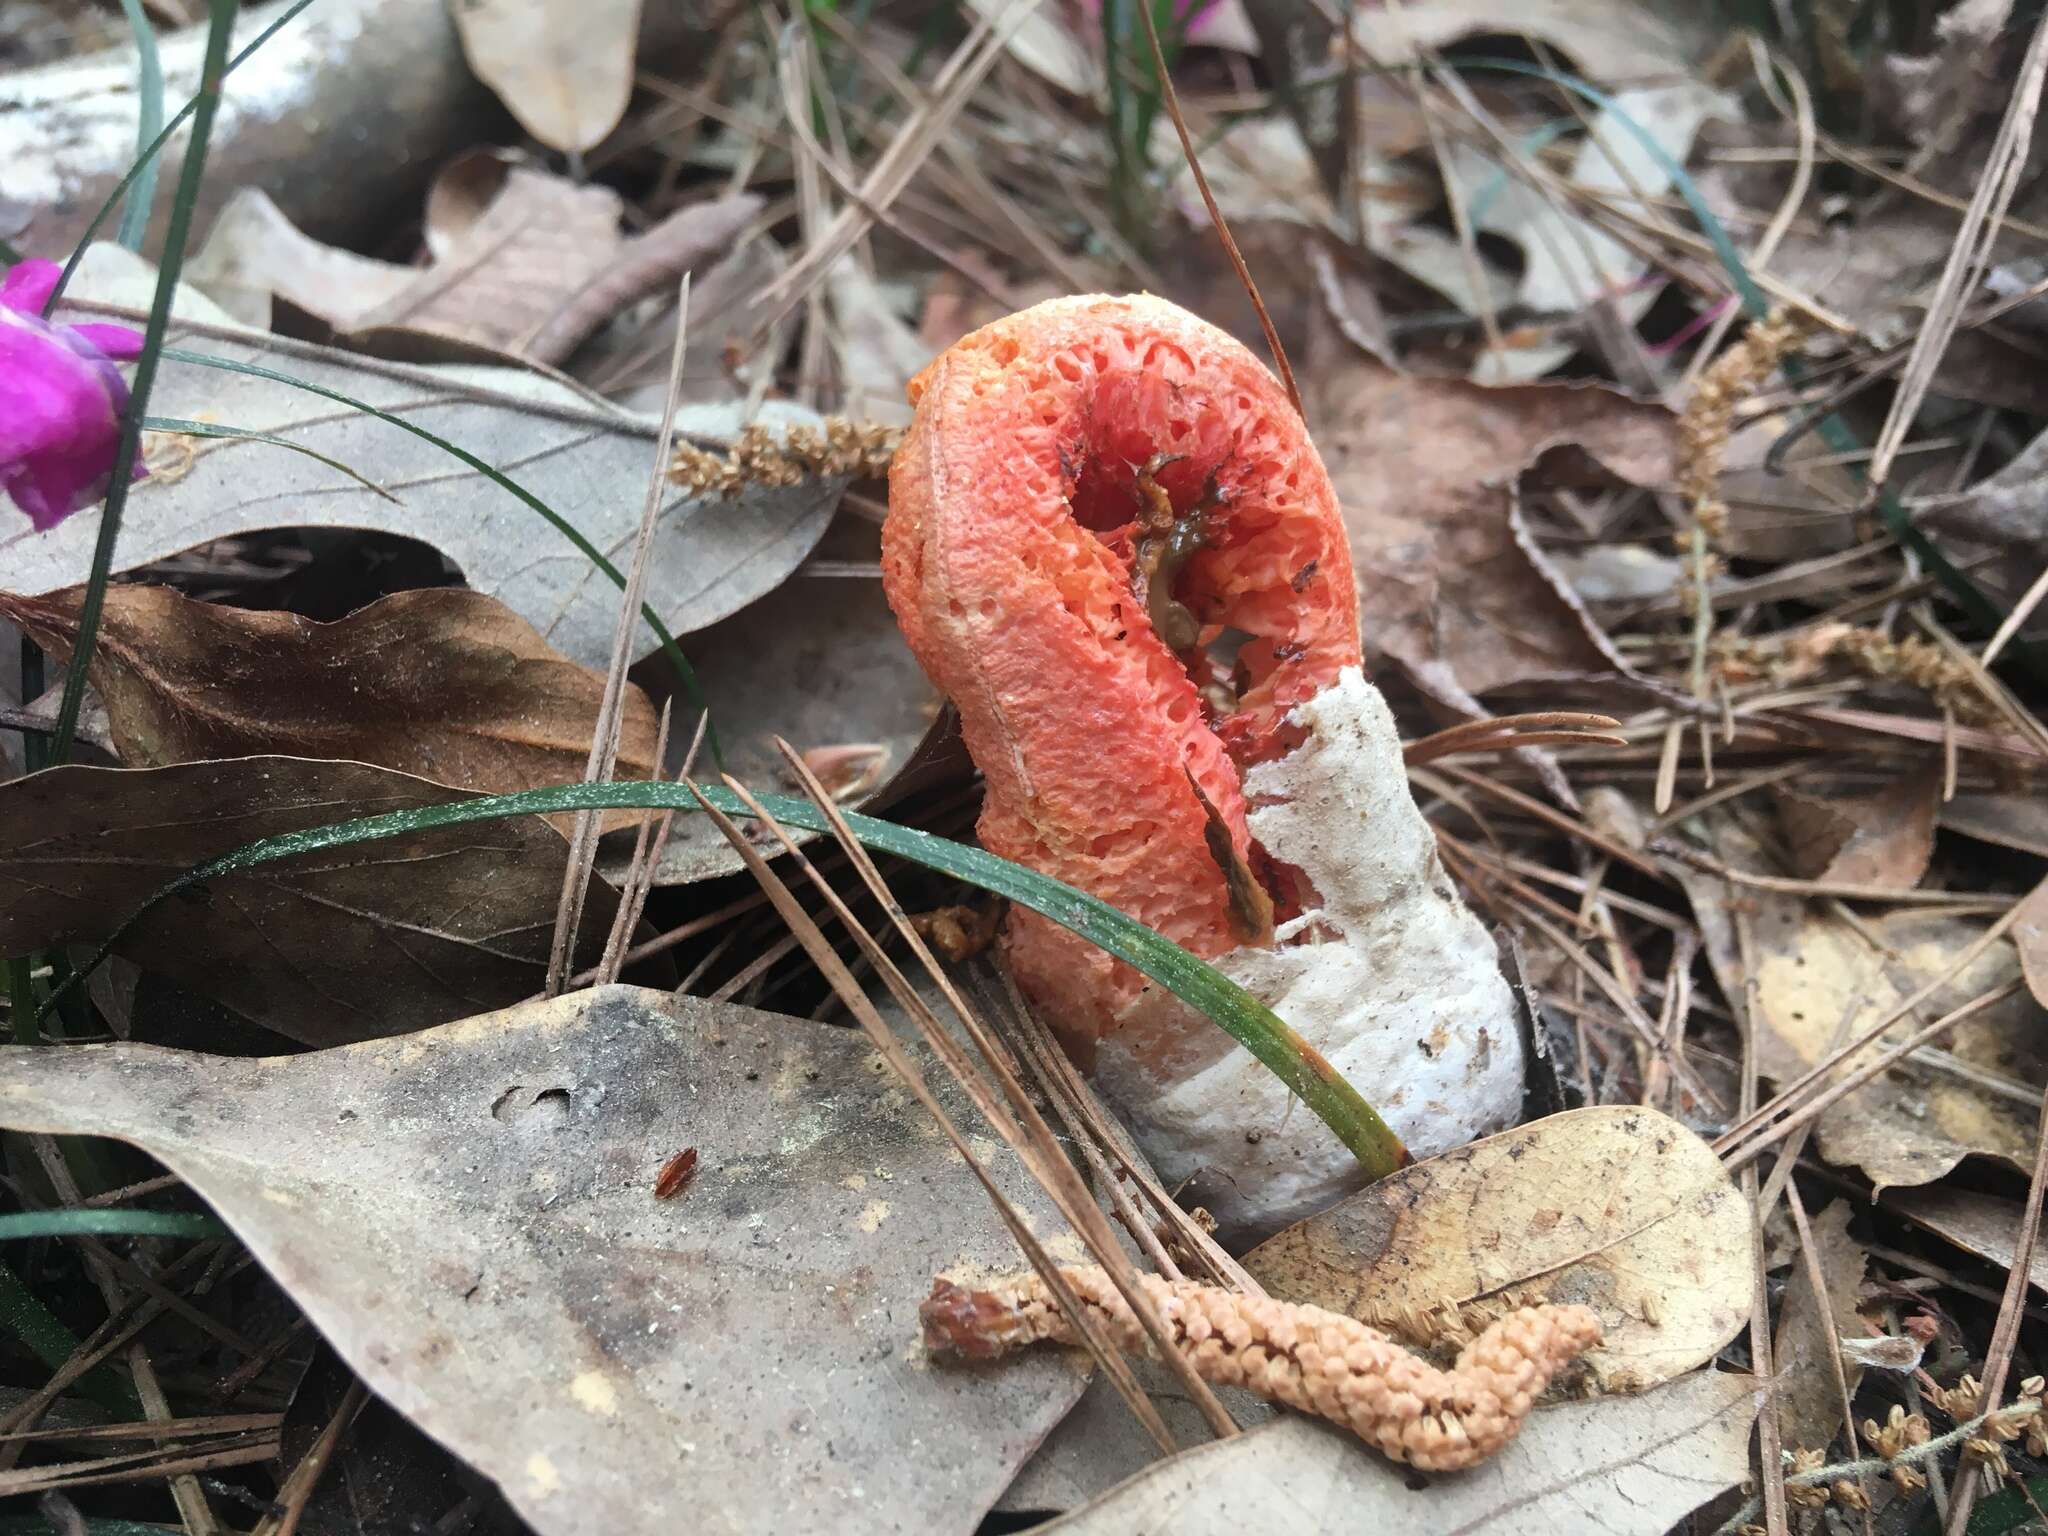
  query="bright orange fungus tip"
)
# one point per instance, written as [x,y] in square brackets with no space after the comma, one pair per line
[1111,542]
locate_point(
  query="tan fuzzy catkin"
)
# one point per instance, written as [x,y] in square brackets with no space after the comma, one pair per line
[1319,1362]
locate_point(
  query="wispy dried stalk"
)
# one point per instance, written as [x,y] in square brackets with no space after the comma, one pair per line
[1704,429]
[1319,1362]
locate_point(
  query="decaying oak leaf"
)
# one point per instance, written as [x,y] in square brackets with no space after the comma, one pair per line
[1617,1208]
[351,944]
[2030,940]
[469,1217]
[1879,837]
[447,684]
[1985,1225]
[711,555]
[1821,982]
[1431,473]
[1618,1466]
[527,248]
[565,71]
[818,662]
[1808,1400]
[2008,819]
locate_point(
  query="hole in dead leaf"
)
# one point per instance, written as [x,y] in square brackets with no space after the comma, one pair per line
[540,1106]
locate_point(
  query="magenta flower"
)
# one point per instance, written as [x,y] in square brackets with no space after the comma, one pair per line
[61,399]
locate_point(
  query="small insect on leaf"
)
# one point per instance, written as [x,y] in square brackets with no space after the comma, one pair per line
[675,1174]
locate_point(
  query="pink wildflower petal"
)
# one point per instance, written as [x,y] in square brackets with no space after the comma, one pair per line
[120,342]
[49,396]
[60,406]
[49,487]
[29,284]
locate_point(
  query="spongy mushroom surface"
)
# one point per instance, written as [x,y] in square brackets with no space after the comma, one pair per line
[1390,977]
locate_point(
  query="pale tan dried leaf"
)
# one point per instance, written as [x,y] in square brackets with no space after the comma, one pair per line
[469,1217]
[819,663]
[444,683]
[564,68]
[1618,1209]
[1820,983]
[1616,1466]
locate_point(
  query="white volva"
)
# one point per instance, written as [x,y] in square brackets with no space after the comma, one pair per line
[1391,978]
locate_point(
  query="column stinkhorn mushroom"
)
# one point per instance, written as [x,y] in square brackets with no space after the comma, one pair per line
[1097,500]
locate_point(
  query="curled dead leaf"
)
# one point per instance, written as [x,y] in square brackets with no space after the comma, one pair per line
[392,937]
[1431,474]
[1619,1209]
[444,683]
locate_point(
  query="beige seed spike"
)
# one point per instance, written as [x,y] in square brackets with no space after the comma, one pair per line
[1319,1362]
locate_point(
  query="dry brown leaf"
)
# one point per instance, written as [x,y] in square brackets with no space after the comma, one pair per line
[1978,1223]
[564,68]
[469,1217]
[1616,1208]
[254,255]
[519,255]
[1820,983]
[1616,1466]
[1429,471]
[2008,820]
[1808,1401]
[2030,938]
[375,940]
[1881,837]
[444,683]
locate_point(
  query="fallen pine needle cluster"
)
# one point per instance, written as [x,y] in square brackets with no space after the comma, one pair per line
[1319,1362]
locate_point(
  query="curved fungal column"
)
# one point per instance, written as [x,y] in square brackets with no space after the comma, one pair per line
[1111,542]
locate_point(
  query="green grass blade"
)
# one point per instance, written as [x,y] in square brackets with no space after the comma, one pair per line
[191,175]
[1296,1063]
[148,158]
[685,673]
[213,429]
[46,1337]
[16,1225]
[149,91]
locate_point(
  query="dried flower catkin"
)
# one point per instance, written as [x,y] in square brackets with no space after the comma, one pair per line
[1319,1362]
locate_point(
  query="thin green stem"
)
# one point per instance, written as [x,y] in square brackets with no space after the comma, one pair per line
[190,177]
[1296,1063]
[149,91]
